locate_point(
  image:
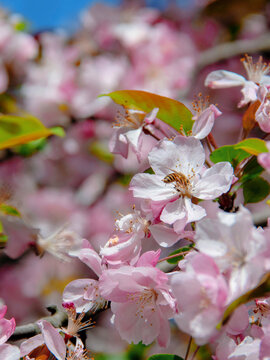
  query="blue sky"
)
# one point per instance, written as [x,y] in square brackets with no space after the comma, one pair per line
[48,14]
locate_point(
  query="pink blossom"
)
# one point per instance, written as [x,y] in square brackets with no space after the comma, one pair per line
[264,158]
[262,115]
[129,131]
[7,327]
[256,75]
[236,246]
[201,292]
[180,176]
[141,301]
[9,352]
[204,118]
[85,293]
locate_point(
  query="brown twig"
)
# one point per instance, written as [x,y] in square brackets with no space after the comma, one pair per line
[58,318]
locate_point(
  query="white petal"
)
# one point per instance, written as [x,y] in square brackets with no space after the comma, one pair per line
[204,122]
[9,352]
[184,154]
[265,80]
[164,235]
[223,79]
[147,186]
[133,137]
[174,211]
[249,92]
[214,181]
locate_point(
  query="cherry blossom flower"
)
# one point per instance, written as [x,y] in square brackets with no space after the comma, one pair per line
[262,114]
[141,301]
[201,293]
[264,158]
[256,73]
[60,243]
[237,247]
[204,118]
[130,131]
[75,323]
[84,293]
[7,328]
[180,178]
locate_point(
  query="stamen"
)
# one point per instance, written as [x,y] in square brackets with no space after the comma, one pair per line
[142,299]
[129,118]
[200,103]
[255,71]
[75,323]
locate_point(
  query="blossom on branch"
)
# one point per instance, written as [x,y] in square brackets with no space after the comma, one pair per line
[256,73]
[180,179]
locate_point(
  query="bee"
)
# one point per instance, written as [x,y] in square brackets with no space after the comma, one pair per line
[180,179]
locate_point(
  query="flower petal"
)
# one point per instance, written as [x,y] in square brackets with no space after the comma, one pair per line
[147,186]
[54,341]
[214,181]
[223,79]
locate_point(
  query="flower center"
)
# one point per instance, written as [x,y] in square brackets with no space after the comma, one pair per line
[145,299]
[200,103]
[75,323]
[255,71]
[130,119]
[182,183]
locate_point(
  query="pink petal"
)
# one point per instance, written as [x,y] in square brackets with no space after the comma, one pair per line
[30,344]
[54,341]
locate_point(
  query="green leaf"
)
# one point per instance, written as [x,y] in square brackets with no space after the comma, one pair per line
[251,170]
[176,259]
[3,240]
[58,131]
[17,130]
[255,190]
[253,146]
[31,147]
[9,210]
[171,111]
[229,153]
[165,357]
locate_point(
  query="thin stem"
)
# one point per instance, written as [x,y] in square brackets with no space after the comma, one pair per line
[148,132]
[195,352]
[188,348]
[174,256]
[212,141]
[209,145]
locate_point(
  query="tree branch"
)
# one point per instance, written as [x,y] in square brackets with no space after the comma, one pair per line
[226,51]
[57,319]
[230,49]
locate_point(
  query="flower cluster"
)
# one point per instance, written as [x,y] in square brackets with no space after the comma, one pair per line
[141,226]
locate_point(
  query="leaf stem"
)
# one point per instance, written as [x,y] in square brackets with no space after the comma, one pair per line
[174,256]
[188,347]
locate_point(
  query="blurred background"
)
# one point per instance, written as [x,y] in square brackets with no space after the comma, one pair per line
[65,13]
[56,57]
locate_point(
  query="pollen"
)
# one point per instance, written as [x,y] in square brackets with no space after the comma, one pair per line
[200,103]
[144,300]
[128,118]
